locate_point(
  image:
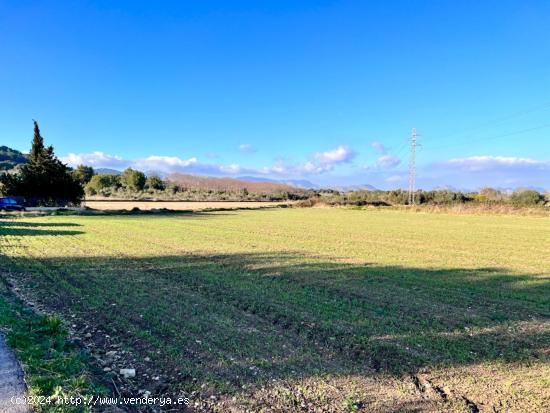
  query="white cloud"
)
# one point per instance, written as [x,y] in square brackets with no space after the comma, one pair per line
[326,161]
[379,147]
[396,178]
[278,168]
[489,170]
[98,159]
[387,162]
[480,163]
[311,168]
[247,148]
[337,155]
[321,162]
[151,163]
[231,169]
[163,163]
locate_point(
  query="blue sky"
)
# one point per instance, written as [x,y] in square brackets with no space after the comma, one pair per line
[326,91]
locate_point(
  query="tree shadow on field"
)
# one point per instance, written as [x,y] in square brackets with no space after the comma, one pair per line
[27,224]
[247,318]
[163,212]
[15,227]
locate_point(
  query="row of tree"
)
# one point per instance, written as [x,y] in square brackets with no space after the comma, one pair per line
[130,179]
[134,184]
[490,196]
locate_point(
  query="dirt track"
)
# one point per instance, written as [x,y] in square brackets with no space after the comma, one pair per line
[177,205]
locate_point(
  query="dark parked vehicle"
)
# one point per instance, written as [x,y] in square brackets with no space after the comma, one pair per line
[10,204]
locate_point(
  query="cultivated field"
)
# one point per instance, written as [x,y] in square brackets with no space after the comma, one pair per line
[319,310]
[177,205]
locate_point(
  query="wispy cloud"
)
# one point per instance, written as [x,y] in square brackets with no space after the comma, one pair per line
[247,148]
[486,162]
[231,169]
[473,172]
[379,147]
[465,173]
[396,178]
[387,162]
[279,168]
[383,162]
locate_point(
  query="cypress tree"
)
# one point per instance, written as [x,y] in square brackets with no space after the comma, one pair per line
[37,148]
[45,180]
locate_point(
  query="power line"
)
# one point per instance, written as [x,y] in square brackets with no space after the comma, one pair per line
[463,141]
[400,149]
[502,135]
[496,121]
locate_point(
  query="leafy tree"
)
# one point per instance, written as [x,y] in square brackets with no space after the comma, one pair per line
[44,180]
[174,188]
[489,194]
[526,197]
[132,179]
[154,182]
[101,182]
[83,174]
[397,196]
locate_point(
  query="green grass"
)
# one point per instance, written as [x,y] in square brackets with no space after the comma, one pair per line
[311,298]
[54,367]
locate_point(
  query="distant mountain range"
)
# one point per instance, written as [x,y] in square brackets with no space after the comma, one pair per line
[10,158]
[302,183]
[299,183]
[348,188]
[108,171]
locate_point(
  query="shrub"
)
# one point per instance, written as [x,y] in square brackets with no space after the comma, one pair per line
[526,197]
[154,182]
[489,195]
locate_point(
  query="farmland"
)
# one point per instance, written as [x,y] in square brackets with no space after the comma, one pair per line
[302,309]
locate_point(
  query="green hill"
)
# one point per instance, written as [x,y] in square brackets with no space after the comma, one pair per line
[10,158]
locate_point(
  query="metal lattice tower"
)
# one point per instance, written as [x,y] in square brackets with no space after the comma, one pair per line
[412,169]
